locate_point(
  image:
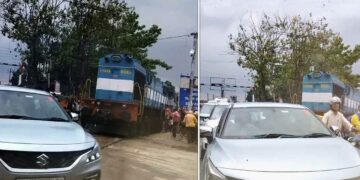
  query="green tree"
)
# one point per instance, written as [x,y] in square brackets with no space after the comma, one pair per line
[281,50]
[35,25]
[74,35]
[312,43]
[97,28]
[259,46]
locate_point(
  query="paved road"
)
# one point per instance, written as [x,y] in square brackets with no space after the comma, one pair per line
[156,157]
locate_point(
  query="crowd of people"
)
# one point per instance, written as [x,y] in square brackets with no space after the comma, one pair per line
[182,122]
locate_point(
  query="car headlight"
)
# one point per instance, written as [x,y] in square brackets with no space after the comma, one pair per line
[94,154]
[213,173]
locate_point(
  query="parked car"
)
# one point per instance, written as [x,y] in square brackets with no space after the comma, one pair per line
[208,107]
[210,123]
[277,141]
[40,140]
[206,111]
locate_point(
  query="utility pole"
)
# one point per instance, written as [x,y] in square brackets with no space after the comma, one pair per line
[193,57]
[222,89]
[10,71]
[49,69]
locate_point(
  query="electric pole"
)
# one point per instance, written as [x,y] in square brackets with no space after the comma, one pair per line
[222,89]
[10,71]
[193,57]
[48,72]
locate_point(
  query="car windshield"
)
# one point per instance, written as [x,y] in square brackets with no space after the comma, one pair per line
[206,109]
[273,122]
[219,109]
[23,105]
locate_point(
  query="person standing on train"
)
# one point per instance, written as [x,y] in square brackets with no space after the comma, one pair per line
[335,118]
[355,120]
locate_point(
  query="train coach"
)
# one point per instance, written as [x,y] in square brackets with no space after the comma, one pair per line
[129,100]
[319,87]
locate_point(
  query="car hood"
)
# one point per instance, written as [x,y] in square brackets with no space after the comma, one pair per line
[35,134]
[284,155]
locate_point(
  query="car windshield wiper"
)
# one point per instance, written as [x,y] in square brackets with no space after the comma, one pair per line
[315,135]
[275,135]
[16,117]
[33,118]
[54,119]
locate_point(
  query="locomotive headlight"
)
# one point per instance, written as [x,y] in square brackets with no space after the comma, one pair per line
[94,154]
[116,58]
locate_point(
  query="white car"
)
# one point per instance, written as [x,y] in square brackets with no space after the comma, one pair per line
[277,141]
[211,123]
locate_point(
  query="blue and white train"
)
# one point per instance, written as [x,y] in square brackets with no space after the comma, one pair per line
[319,87]
[129,100]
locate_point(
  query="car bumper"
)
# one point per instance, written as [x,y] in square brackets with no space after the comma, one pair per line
[348,173]
[81,171]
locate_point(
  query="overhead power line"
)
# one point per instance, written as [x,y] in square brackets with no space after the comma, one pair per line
[8,64]
[174,37]
[231,61]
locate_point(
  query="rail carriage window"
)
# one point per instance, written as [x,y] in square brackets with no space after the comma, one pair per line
[353,105]
[325,86]
[125,71]
[157,99]
[308,86]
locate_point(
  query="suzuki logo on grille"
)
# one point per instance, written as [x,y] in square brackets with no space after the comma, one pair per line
[42,160]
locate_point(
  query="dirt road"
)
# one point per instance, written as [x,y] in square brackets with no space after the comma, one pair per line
[156,157]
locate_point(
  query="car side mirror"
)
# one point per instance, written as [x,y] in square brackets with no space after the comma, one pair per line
[354,140]
[208,134]
[74,116]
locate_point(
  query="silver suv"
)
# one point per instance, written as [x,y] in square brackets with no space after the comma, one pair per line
[39,140]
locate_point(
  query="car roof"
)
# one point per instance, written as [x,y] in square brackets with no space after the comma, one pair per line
[21,89]
[223,103]
[218,101]
[266,104]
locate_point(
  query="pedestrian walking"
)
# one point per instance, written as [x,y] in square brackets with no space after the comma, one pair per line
[190,124]
[176,120]
[167,119]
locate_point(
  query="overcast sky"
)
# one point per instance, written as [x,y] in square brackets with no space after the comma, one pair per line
[174,17]
[219,18]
